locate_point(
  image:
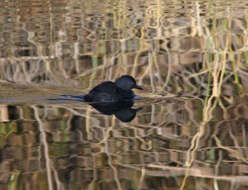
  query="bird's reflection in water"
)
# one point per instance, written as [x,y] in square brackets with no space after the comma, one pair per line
[122,110]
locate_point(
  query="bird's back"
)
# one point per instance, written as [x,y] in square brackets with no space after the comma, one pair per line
[108,92]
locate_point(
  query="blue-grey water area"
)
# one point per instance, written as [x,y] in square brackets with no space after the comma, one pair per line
[188,128]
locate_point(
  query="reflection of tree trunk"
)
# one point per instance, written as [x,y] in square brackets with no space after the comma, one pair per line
[4,113]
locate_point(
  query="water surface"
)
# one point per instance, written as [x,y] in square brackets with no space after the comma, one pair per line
[190,57]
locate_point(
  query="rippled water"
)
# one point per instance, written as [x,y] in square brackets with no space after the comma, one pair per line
[189,131]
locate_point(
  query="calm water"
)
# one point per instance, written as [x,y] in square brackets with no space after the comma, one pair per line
[190,131]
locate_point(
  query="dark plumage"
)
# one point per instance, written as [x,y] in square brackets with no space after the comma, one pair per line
[110,98]
[108,91]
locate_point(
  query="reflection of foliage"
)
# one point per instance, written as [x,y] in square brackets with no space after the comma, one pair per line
[5,130]
[13,182]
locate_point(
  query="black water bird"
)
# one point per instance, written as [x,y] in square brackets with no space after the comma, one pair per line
[111,98]
[117,91]
[108,91]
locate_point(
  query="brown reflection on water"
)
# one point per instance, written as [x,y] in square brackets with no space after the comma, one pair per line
[83,147]
[191,59]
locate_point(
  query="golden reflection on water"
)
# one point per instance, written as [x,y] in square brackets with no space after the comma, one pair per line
[191,59]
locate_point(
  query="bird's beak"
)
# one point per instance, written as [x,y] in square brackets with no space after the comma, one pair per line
[138,87]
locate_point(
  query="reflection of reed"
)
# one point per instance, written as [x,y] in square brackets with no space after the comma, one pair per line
[173,49]
[147,144]
[46,151]
[196,172]
[4,113]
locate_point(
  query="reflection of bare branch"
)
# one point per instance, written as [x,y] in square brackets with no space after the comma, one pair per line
[110,160]
[46,148]
[217,167]
[202,54]
[142,176]
[233,152]
[195,172]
